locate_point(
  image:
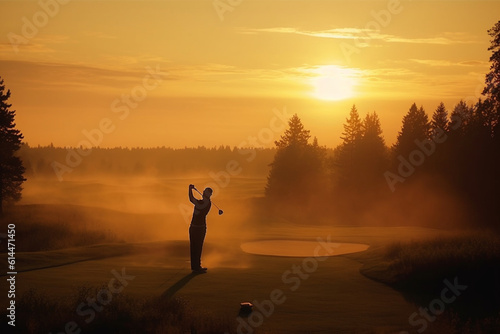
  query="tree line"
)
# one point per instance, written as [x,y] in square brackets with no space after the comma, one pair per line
[51,162]
[454,154]
[457,150]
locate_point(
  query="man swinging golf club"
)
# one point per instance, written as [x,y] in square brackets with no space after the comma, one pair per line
[198,227]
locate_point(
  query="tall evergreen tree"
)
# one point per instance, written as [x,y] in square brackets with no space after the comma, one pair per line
[415,126]
[460,118]
[373,152]
[11,167]
[490,109]
[353,129]
[372,131]
[492,88]
[361,158]
[481,124]
[439,119]
[295,135]
[373,142]
[297,169]
[347,157]
[439,163]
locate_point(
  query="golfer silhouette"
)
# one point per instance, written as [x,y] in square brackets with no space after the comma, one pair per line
[198,227]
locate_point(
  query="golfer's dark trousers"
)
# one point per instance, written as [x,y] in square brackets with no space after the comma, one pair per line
[196,237]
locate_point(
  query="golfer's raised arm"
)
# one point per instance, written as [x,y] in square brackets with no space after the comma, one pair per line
[191,197]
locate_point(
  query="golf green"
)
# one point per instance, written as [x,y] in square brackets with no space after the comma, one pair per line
[299,248]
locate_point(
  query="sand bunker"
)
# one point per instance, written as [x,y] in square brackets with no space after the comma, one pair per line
[295,248]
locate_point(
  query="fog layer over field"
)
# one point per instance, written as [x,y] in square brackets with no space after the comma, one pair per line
[138,209]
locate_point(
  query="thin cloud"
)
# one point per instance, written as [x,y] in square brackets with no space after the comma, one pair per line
[359,33]
[447,63]
[35,46]
[213,72]
[8,50]
[48,75]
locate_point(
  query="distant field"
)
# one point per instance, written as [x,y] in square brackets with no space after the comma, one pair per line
[128,210]
[138,195]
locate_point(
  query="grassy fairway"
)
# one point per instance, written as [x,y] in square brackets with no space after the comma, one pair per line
[332,298]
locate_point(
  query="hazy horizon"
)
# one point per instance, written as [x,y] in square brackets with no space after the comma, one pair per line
[211,81]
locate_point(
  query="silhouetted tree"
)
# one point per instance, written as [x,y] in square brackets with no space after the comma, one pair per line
[11,167]
[439,125]
[346,162]
[481,124]
[316,155]
[372,138]
[492,88]
[373,151]
[295,135]
[298,167]
[460,118]
[416,127]
[459,144]
[439,119]
[353,132]
[489,113]
[359,162]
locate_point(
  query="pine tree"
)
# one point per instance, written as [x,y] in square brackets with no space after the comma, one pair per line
[373,142]
[373,152]
[439,121]
[361,157]
[460,118]
[372,133]
[297,167]
[11,167]
[415,126]
[349,149]
[353,128]
[492,88]
[295,135]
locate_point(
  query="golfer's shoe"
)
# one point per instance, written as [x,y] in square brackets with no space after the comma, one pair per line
[200,271]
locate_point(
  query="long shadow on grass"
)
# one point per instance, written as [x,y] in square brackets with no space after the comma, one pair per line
[178,285]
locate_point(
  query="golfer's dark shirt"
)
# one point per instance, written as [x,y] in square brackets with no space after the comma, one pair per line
[200,212]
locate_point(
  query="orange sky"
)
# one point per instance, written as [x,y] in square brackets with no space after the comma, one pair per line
[202,77]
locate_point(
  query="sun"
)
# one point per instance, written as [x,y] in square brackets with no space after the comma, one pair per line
[333,83]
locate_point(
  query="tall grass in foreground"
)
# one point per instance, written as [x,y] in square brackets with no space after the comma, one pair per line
[451,323]
[419,269]
[444,255]
[38,313]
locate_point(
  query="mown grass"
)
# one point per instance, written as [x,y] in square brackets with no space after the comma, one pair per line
[39,313]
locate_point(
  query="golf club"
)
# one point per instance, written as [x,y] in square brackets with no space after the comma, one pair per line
[220,211]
